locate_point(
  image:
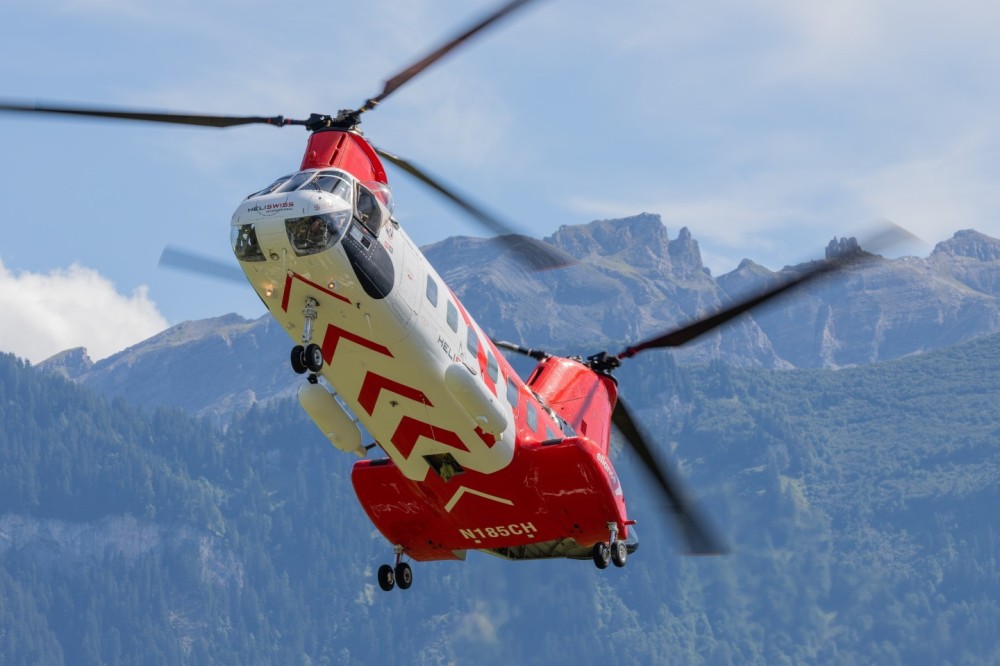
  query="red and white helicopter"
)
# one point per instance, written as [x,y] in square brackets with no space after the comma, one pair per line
[477,458]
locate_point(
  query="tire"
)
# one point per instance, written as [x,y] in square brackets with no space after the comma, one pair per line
[602,555]
[404,576]
[386,578]
[299,360]
[313,358]
[619,553]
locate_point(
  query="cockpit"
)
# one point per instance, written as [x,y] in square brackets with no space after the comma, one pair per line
[338,198]
[327,180]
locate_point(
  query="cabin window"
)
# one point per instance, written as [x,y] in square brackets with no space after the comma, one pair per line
[512,392]
[432,291]
[245,245]
[531,416]
[472,342]
[452,317]
[492,369]
[549,434]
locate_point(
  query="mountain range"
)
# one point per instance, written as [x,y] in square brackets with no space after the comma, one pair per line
[630,281]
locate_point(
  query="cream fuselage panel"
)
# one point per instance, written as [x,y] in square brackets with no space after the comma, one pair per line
[386,357]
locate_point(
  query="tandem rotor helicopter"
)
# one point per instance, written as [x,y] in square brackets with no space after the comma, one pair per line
[476,458]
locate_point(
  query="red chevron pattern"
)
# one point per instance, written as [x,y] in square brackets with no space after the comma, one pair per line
[410,430]
[375,384]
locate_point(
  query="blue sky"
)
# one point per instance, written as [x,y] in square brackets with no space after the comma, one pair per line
[765,126]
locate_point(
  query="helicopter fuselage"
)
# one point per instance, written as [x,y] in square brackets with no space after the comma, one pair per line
[477,458]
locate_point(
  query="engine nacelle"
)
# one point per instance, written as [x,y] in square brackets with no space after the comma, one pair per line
[333,420]
[481,407]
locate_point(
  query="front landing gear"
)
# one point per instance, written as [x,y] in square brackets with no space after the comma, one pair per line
[308,357]
[401,574]
[614,551]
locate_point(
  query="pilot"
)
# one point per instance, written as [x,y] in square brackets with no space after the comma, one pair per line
[317,235]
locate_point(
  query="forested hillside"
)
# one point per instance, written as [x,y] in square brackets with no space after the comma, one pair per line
[858,504]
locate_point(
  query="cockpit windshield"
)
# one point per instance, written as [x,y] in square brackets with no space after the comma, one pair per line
[334,182]
[315,233]
[333,201]
[271,188]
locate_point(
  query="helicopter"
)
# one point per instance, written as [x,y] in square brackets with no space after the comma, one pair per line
[475,457]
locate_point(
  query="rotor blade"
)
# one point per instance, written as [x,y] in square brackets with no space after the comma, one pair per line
[533,254]
[402,77]
[206,266]
[146,116]
[692,331]
[695,531]
[536,354]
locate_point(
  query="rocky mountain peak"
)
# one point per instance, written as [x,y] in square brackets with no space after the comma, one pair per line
[969,243]
[842,247]
[685,254]
[70,363]
[641,240]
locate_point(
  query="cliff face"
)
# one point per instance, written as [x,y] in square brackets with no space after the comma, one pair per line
[631,280]
[891,308]
[971,258]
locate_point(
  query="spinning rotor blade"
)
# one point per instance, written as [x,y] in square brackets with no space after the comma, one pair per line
[194,263]
[697,535]
[402,77]
[536,354]
[149,116]
[681,336]
[533,254]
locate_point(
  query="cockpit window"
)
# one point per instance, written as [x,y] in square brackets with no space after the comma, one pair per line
[245,245]
[270,188]
[293,183]
[315,233]
[368,212]
[332,182]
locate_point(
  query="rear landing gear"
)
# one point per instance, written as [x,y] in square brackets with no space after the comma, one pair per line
[619,553]
[404,575]
[401,574]
[602,555]
[614,551]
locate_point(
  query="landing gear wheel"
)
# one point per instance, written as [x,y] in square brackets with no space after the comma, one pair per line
[386,578]
[404,575]
[619,553]
[299,360]
[602,555]
[313,357]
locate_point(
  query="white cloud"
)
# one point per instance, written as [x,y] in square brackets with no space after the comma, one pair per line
[44,314]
